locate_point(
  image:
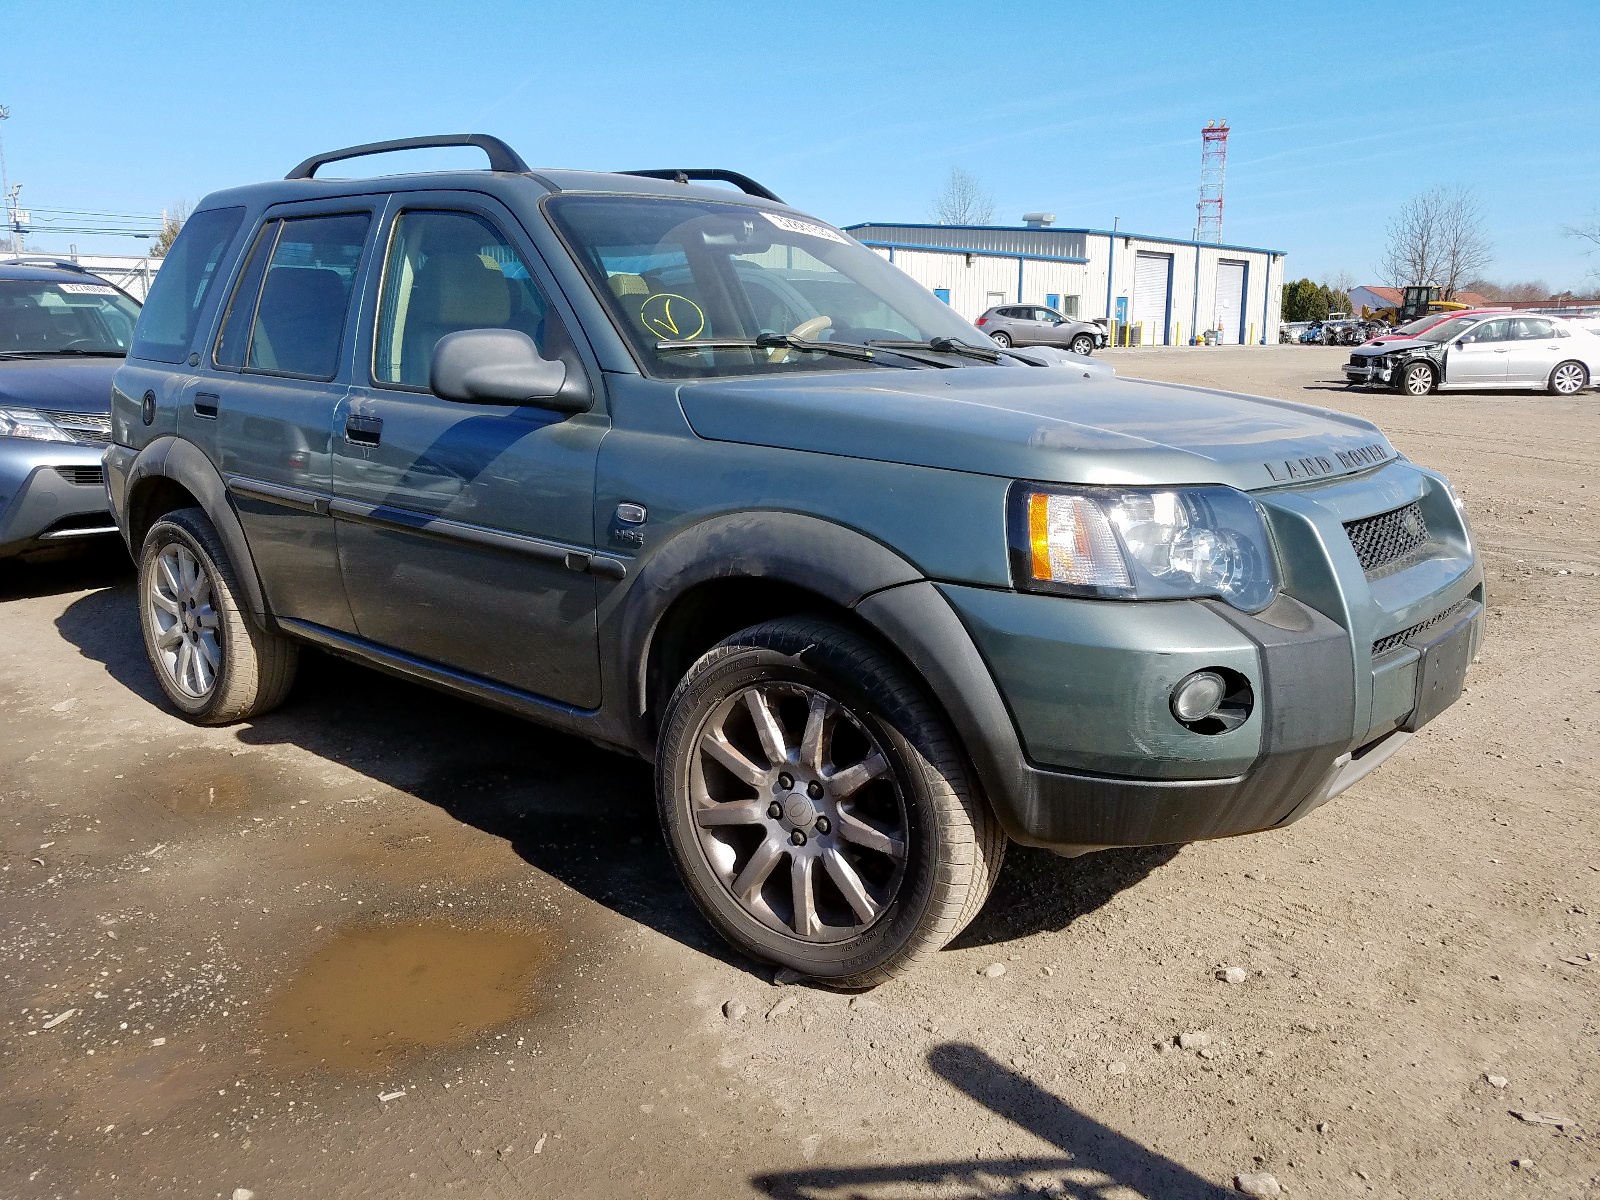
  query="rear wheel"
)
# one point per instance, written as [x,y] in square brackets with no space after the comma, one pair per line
[214,664]
[1001,338]
[1569,379]
[1417,379]
[818,806]
[1083,344]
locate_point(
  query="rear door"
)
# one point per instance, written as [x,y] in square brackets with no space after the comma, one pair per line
[1480,357]
[279,368]
[1535,351]
[466,530]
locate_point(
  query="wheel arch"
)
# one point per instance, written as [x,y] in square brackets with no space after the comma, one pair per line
[1588,375]
[733,571]
[170,474]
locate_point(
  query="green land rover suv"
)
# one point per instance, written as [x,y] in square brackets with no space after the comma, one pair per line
[671,466]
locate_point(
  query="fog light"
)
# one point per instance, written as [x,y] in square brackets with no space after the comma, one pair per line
[1197,696]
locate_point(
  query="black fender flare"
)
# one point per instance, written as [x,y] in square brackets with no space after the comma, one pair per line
[831,560]
[187,465]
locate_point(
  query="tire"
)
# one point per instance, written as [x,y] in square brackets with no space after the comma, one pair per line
[212,661]
[1568,379]
[1417,379]
[920,847]
[1083,344]
[1001,339]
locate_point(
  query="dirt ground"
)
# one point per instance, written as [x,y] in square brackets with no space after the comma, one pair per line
[385,943]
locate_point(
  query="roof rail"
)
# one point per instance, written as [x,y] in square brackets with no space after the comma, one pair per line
[44,260]
[683,175]
[501,156]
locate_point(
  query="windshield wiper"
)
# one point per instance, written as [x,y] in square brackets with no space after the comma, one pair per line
[946,345]
[771,341]
[54,353]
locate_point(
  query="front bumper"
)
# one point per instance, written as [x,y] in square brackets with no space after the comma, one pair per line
[51,493]
[1367,373]
[1063,704]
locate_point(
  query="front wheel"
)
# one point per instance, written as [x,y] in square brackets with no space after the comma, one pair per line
[1569,379]
[213,662]
[1083,344]
[818,806]
[1417,379]
[1003,340]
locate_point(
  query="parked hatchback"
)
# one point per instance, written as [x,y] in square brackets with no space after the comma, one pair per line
[686,472]
[63,331]
[1036,325]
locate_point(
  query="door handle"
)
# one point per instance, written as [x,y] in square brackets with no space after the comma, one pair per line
[1504,350]
[363,431]
[205,404]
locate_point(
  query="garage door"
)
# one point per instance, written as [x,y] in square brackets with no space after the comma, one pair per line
[1151,275]
[1230,302]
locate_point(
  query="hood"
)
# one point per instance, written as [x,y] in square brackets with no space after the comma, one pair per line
[1049,425]
[80,385]
[1396,344]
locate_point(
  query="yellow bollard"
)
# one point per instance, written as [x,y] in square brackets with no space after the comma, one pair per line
[1252,340]
[1178,334]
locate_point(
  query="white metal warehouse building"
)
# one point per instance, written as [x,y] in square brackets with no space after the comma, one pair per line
[1165,291]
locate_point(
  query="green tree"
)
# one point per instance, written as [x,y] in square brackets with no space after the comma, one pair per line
[1304,300]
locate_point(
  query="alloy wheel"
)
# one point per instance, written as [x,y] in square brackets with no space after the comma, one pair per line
[1419,381]
[798,812]
[1567,380]
[181,609]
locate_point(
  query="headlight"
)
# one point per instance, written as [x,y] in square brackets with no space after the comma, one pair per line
[1142,544]
[25,423]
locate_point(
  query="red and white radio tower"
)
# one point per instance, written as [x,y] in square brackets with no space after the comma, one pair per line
[1213,172]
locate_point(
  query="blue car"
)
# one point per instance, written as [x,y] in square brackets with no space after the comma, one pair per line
[63,332]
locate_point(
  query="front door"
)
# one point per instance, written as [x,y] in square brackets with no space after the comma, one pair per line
[1479,357]
[278,371]
[465,529]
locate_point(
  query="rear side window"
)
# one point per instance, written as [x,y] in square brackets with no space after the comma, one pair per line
[446,272]
[287,315]
[172,312]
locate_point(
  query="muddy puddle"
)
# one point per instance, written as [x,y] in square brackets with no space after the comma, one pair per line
[376,992]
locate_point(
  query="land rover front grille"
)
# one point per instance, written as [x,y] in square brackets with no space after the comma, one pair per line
[1385,644]
[1387,537]
[82,476]
[86,427]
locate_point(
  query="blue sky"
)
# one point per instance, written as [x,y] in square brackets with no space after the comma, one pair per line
[855,112]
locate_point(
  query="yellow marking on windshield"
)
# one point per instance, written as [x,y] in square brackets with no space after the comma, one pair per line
[662,316]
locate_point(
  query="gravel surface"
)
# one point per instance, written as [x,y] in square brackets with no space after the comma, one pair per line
[384,942]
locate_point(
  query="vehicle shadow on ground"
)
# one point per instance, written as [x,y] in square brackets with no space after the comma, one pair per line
[580,814]
[1097,1162]
[76,570]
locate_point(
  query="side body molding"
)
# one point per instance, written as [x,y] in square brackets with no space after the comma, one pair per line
[819,556]
[185,464]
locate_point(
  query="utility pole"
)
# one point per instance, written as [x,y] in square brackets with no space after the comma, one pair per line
[5,183]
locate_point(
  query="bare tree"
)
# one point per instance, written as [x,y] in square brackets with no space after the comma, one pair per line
[1589,231]
[962,200]
[1437,237]
[172,220]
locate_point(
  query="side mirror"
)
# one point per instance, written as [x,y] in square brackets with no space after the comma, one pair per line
[502,366]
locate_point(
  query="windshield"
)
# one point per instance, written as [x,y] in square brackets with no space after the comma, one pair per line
[1448,330]
[1412,328]
[39,316]
[677,271]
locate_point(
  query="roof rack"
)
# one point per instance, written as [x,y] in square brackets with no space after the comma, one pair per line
[501,156]
[44,260]
[683,175]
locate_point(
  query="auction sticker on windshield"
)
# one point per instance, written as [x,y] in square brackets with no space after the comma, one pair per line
[808,228]
[87,289]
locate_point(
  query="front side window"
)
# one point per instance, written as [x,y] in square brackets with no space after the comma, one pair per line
[171,312]
[447,272]
[305,296]
[1489,331]
[674,271]
[39,317]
